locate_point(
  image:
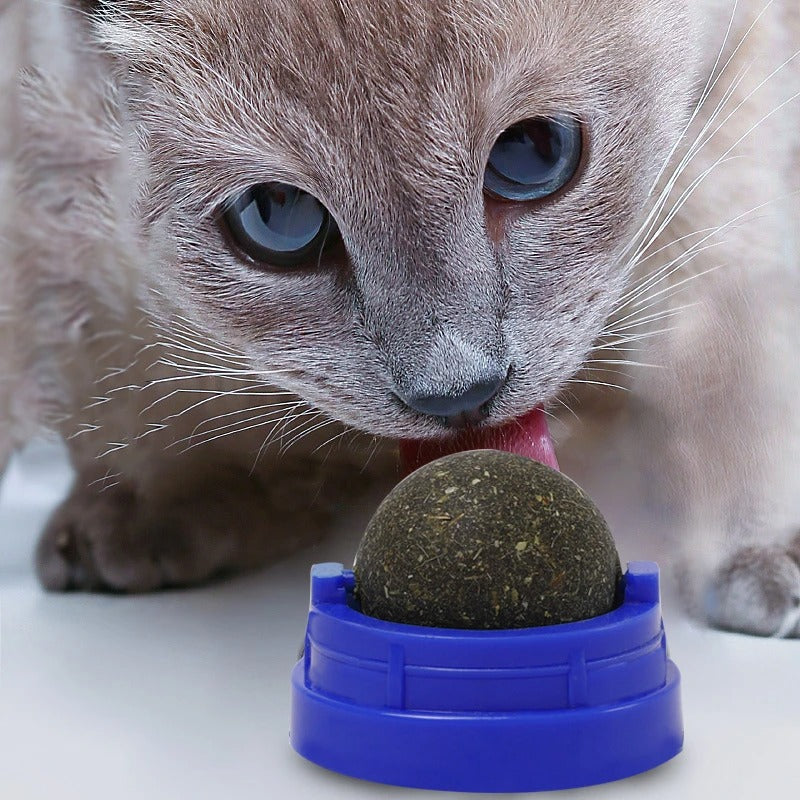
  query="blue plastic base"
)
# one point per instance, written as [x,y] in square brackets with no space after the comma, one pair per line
[512,752]
[486,711]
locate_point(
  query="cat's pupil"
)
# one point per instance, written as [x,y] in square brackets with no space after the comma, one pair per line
[534,158]
[290,219]
[279,224]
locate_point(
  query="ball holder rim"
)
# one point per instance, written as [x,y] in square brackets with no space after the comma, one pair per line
[526,709]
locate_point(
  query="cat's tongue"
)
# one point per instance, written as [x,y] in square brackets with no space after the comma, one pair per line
[527,436]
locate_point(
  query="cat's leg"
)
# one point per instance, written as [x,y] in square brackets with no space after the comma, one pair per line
[184,524]
[726,420]
[724,408]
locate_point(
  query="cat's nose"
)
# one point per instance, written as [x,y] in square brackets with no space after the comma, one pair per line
[459,409]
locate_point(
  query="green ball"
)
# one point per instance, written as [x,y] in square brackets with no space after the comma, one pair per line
[485,539]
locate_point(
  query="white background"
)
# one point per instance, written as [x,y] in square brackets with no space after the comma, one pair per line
[186,694]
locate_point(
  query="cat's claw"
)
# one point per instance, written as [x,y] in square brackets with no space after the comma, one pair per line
[757,591]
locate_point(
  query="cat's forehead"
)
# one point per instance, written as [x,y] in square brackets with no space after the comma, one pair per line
[300,46]
[334,86]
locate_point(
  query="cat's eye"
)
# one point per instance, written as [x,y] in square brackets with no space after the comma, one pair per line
[280,225]
[534,158]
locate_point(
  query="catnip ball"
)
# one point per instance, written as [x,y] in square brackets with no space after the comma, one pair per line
[485,539]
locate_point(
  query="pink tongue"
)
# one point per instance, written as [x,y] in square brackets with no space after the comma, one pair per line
[527,436]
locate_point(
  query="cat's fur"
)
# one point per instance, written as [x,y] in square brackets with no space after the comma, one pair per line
[216,413]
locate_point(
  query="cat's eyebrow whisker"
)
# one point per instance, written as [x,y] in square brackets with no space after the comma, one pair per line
[202,65]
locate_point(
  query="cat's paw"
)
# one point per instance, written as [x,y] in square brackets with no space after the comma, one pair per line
[757,591]
[125,540]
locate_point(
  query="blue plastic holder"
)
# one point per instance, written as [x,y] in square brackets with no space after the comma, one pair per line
[554,707]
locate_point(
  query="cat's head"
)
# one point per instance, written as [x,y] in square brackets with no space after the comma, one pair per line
[406,207]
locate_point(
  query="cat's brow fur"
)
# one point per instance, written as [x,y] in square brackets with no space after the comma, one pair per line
[134,329]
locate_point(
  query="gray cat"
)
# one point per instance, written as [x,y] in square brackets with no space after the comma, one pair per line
[248,245]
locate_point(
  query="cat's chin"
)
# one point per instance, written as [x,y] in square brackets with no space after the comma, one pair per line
[528,435]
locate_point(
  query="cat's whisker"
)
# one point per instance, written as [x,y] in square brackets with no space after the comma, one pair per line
[628,298]
[638,337]
[266,419]
[726,155]
[710,86]
[635,319]
[328,442]
[674,287]
[677,206]
[179,361]
[210,396]
[245,377]
[186,339]
[673,243]
[651,221]
[304,432]
[224,396]
[605,384]
[558,399]
[633,297]
[269,438]
[375,447]
[275,407]
[625,362]
[181,351]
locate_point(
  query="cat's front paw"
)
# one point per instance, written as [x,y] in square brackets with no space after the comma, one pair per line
[125,539]
[95,541]
[757,591]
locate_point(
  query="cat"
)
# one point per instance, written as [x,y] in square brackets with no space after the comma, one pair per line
[248,246]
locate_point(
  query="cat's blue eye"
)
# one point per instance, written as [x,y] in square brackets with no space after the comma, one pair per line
[534,158]
[280,225]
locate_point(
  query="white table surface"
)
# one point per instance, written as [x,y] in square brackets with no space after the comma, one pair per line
[186,694]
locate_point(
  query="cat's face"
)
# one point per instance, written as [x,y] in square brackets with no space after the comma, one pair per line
[387,111]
